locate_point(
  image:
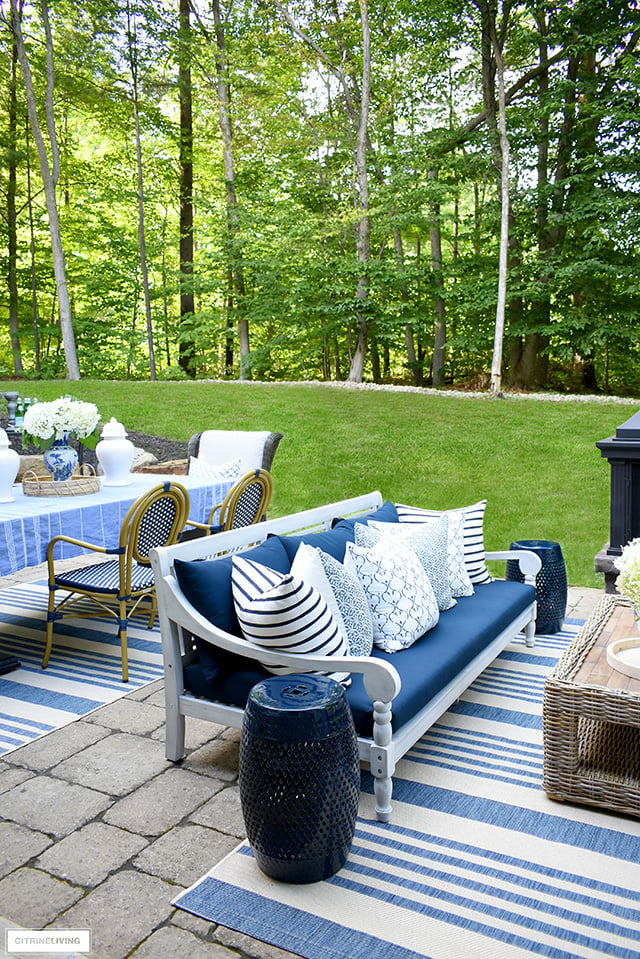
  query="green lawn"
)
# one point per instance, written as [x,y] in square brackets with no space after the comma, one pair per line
[535,461]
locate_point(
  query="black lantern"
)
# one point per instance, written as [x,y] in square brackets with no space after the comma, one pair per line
[623,453]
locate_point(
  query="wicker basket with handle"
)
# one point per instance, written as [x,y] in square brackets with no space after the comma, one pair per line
[84,480]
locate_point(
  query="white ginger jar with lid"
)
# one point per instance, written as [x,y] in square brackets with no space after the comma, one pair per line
[115,454]
[9,466]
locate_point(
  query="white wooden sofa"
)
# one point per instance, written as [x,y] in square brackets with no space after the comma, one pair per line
[377,678]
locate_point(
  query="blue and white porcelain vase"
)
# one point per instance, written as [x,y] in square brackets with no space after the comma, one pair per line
[60,459]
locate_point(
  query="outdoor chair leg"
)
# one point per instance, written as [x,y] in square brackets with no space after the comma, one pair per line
[153,611]
[122,632]
[49,635]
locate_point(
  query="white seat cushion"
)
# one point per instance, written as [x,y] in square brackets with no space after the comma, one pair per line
[220,446]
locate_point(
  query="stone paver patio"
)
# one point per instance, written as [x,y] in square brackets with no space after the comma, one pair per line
[98,830]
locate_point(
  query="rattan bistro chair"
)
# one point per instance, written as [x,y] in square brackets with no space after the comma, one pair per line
[245,503]
[118,586]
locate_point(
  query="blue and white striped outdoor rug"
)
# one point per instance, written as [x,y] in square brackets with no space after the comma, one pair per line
[84,671]
[477,862]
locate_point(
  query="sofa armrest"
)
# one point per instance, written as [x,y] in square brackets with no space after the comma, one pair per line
[530,563]
[381,680]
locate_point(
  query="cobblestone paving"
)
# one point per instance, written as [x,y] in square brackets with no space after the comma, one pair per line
[98,830]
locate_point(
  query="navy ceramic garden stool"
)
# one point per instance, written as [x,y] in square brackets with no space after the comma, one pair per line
[299,777]
[551,583]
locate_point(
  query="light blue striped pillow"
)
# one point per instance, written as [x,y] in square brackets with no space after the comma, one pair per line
[283,613]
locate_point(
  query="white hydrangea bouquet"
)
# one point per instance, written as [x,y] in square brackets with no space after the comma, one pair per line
[628,581]
[46,422]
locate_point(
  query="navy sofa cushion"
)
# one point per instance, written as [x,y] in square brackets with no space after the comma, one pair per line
[228,685]
[334,542]
[207,586]
[434,660]
[425,668]
[387,513]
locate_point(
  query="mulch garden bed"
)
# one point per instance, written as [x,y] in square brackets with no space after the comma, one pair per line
[160,447]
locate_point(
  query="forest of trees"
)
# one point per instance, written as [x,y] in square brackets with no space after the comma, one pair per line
[407,191]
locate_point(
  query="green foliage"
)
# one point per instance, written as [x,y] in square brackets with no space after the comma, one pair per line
[574,228]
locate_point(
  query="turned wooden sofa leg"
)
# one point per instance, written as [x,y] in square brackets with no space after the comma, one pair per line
[381,762]
[530,633]
[382,789]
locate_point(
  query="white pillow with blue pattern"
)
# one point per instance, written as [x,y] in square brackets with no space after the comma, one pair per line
[200,469]
[430,543]
[400,596]
[353,604]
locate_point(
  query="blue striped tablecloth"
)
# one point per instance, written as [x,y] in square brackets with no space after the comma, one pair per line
[28,523]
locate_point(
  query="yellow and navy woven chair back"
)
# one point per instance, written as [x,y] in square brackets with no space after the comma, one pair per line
[246,502]
[155,519]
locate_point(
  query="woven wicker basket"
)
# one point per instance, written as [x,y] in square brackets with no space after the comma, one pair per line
[84,480]
[591,719]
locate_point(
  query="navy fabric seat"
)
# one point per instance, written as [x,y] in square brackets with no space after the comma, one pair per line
[425,668]
[435,659]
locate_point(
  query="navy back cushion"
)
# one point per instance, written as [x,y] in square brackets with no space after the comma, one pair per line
[334,542]
[207,586]
[387,513]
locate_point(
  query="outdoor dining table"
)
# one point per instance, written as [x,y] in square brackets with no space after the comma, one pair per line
[29,522]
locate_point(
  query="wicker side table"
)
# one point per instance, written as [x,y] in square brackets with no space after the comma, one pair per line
[591,718]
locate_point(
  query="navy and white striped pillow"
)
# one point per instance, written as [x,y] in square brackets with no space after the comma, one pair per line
[283,613]
[474,560]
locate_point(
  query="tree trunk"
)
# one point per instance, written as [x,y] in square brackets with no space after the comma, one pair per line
[49,177]
[440,330]
[233,223]
[187,304]
[364,224]
[32,253]
[496,362]
[165,286]
[376,372]
[413,363]
[12,239]
[142,245]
